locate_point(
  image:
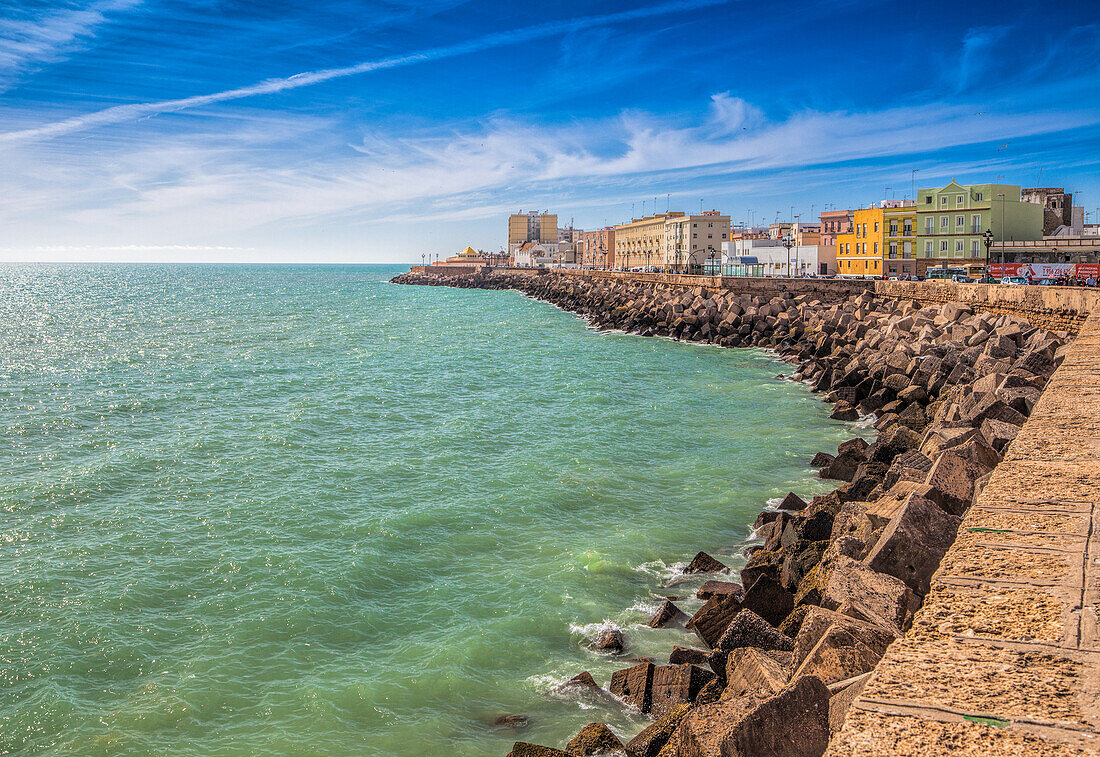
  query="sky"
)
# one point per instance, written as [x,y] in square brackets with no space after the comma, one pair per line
[339,131]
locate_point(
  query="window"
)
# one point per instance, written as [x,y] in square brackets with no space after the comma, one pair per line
[944,221]
[943,201]
[893,251]
[928,199]
[958,245]
[958,201]
[960,221]
[908,228]
[978,196]
[907,251]
[974,247]
[929,225]
[975,224]
[876,248]
[864,229]
[928,248]
[893,228]
[943,245]
[893,269]
[876,227]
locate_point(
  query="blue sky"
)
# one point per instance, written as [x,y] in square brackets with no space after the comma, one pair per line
[362,131]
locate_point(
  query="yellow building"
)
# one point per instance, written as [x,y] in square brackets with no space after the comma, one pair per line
[532,227]
[641,243]
[467,257]
[881,243]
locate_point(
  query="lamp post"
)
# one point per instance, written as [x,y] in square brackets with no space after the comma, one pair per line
[788,243]
[987,238]
[421,260]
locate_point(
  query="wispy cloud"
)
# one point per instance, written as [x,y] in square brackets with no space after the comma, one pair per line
[122,113]
[32,39]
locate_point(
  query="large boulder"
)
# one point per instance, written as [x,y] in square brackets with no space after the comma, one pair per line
[768,599]
[888,598]
[653,737]
[753,671]
[704,563]
[523,749]
[634,685]
[594,738]
[668,616]
[712,619]
[911,547]
[793,722]
[952,479]
[750,630]
[676,684]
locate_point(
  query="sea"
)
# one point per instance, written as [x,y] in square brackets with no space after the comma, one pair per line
[300,510]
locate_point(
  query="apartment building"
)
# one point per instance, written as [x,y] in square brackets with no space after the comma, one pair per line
[693,240]
[882,241]
[532,227]
[598,248]
[952,219]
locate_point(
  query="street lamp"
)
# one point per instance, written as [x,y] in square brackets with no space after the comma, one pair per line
[788,243]
[987,238]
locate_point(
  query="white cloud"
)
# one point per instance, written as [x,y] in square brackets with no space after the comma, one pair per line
[32,40]
[131,112]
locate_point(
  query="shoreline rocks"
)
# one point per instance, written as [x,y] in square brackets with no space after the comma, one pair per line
[838,578]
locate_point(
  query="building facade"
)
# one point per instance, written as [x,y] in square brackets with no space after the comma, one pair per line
[532,227]
[833,224]
[598,248]
[952,219]
[693,240]
[1057,206]
[882,242]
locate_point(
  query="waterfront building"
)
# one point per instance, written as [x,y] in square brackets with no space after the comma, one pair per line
[641,243]
[881,242]
[598,248]
[694,242]
[532,227]
[834,223]
[468,257]
[762,256]
[952,219]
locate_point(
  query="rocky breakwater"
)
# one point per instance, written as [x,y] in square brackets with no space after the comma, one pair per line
[834,581]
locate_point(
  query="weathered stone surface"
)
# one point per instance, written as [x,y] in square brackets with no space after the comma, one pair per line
[844,412]
[523,749]
[653,737]
[712,588]
[750,630]
[952,480]
[792,723]
[689,655]
[712,619]
[594,738]
[583,682]
[610,641]
[911,547]
[842,694]
[676,684]
[704,563]
[838,655]
[753,671]
[668,616]
[633,685]
[792,502]
[768,599]
[885,596]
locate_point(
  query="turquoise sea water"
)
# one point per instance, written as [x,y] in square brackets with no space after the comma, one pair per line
[299,510]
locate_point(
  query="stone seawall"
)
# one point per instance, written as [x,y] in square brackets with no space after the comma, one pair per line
[1056,308]
[848,577]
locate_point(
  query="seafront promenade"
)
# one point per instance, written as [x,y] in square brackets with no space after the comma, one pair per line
[1001,657]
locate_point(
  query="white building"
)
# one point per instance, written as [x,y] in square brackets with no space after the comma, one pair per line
[768,257]
[545,255]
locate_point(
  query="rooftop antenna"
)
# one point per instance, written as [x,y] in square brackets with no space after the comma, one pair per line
[668,201]
[1040,181]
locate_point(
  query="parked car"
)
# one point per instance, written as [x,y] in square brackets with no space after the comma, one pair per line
[1014,280]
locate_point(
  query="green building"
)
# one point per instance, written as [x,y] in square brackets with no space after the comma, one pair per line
[951,221]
